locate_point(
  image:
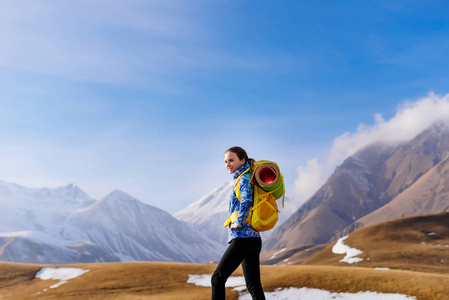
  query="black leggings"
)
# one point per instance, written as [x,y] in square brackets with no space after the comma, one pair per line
[245,251]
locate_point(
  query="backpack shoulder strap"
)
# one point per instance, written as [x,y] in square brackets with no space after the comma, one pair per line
[237,184]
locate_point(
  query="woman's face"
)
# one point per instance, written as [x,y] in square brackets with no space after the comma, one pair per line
[232,162]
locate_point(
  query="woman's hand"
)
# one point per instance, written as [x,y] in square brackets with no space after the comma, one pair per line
[234,226]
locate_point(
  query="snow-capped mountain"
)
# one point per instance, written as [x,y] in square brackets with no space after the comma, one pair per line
[37,209]
[141,232]
[210,211]
[65,225]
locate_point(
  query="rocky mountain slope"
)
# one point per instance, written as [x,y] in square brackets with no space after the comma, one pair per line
[429,194]
[365,182]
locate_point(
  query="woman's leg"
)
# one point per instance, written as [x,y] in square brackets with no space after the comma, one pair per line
[230,261]
[251,269]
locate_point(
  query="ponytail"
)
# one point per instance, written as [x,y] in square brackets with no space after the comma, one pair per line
[251,165]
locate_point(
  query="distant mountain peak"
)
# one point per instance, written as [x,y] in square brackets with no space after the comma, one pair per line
[118,193]
[72,186]
[440,125]
[118,196]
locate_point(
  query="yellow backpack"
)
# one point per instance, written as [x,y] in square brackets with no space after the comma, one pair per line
[264,213]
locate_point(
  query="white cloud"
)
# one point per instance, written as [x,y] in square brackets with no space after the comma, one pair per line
[411,118]
[309,180]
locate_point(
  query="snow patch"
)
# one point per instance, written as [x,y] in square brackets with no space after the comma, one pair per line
[297,293]
[351,253]
[308,293]
[277,253]
[61,274]
[382,269]
[237,282]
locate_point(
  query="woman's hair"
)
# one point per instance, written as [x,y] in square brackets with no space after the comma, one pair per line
[241,154]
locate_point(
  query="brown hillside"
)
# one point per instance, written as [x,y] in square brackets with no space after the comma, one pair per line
[146,280]
[290,256]
[140,280]
[415,243]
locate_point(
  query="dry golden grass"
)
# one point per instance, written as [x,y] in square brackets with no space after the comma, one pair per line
[399,244]
[153,280]
[141,280]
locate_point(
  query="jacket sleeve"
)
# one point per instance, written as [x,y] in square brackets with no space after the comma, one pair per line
[246,199]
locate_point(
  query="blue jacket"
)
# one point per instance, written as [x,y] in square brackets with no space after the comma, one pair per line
[243,206]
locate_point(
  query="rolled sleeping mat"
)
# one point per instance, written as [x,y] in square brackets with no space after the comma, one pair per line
[269,178]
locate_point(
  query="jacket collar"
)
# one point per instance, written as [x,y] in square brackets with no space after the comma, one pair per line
[241,170]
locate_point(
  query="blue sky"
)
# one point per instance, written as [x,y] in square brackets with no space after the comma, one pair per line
[145,96]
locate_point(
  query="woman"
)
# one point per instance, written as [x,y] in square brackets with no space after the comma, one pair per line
[244,242]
